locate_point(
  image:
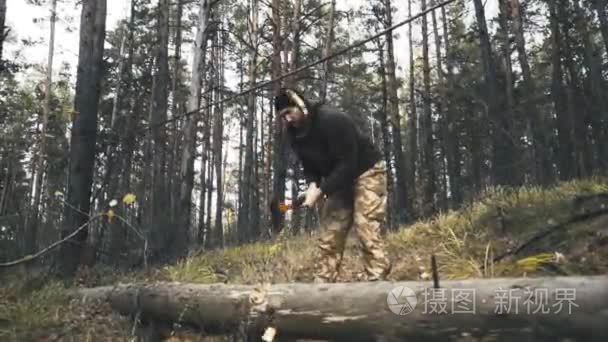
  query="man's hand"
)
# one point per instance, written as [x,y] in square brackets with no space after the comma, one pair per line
[312,195]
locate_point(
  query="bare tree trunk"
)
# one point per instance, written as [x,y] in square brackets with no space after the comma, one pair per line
[566,153]
[452,139]
[84,132]
[503,166]
[577,103]
[572,308]
[245,232]
[413,124]
[598,111]
[386,142]
[402,202]
[190,128]
[278,143]
[32,234]
[3,32]
[174,183]
[218,141]
[542,153]
[509,111]
[442,108]
[429,204]
[161,237]
[327,49]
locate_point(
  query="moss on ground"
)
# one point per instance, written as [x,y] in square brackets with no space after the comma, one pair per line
[464,242]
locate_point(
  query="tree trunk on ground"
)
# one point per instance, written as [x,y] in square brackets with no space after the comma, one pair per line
[84,131]
[543,173]
[190,128]
[574,308]
[401,196]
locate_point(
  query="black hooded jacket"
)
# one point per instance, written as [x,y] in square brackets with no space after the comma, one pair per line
[333,151]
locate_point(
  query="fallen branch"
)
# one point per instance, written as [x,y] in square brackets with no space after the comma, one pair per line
[552,229]
[49,248]
[576,308]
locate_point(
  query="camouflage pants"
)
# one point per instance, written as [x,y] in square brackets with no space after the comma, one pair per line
[366,218]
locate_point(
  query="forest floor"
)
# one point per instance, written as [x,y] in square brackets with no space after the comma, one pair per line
[465,243]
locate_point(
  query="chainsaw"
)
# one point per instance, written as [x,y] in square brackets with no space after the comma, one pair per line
[278,209]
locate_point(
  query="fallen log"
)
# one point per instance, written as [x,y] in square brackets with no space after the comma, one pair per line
[539,309]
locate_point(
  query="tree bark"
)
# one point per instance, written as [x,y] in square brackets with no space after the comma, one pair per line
[542,309]
[84,131]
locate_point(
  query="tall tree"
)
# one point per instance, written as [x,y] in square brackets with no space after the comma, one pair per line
[401,197]
[597,104]
[193,104]
[413,121]
[248,182]
[541,149]
[2,29]
[84,131]
[428,159]
[503,163]
[327,49]
[161,236]
[564,124]
[40,166]
[278,143]
[452,139]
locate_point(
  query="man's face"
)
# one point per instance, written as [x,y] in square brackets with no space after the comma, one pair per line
[292,117]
